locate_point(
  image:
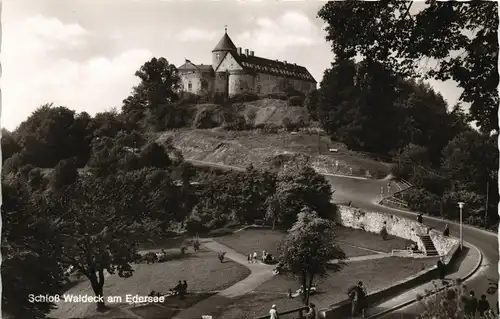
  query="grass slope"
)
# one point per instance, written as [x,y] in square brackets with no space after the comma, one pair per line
[375,274]
[267,149]
[354,242]
[203,272]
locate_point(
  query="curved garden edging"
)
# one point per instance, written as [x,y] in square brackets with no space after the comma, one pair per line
[409,302]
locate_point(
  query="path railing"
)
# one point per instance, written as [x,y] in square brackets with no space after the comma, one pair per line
[300,311]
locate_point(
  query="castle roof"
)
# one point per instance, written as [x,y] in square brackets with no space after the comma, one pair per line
[190,66]
[225,44]
[274,67]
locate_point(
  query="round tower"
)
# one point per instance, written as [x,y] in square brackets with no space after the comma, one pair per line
[225,45]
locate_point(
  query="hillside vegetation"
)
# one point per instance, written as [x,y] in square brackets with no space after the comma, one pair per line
[272,150]
[269,113]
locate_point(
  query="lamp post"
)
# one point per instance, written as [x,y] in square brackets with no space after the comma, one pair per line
[461,205]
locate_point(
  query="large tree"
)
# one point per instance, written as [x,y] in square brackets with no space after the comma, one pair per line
[309,250]
[153,97]
[461,37]
[99,227]
[51,134]
[470,161]
[29,257]
[297,188]
[9,145]
[356,100]
[256,187]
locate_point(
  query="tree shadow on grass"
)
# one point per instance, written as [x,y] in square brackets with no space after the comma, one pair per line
[170,307]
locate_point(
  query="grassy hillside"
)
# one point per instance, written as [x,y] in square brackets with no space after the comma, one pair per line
[240,148]
[264,141]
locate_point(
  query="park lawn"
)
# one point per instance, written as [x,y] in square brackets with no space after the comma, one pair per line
[375,274]
[203,272]
[369,240]
[353,242]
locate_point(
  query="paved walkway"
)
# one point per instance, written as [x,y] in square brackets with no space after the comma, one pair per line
[468,265]
[260,273]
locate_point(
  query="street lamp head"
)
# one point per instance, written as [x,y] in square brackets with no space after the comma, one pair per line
[460,204]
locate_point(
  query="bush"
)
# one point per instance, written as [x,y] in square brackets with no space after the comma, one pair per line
[196,244]
[205,119]
[421,200]
[443,305]
[277,96]
[220,232]
[221,255]
[237,124]
[193,225]
[187,98]
[183,249]
[383,233]
[296,100]
[244,97]
[251,116]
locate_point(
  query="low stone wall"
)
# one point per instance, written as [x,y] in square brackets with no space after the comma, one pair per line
[396,226]
[343,308]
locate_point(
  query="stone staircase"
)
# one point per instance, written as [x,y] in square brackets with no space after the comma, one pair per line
[430,249]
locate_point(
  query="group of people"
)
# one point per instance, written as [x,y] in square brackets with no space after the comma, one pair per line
[180,289]
[358,300]
[446,230]
[265,257]
[310,314]
[472,306]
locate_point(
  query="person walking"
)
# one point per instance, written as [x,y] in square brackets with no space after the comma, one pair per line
[446,231]
[354,296]
[311,312]
[254,256]
[482,306]
[273,313]
[420,218]
[472,305]
[362,298]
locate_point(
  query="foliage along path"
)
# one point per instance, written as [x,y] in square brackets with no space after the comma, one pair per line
[260,273]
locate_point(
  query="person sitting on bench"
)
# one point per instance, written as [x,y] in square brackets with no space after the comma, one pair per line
[177,289]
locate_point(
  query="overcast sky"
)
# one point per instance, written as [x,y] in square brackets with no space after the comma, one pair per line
[82,54]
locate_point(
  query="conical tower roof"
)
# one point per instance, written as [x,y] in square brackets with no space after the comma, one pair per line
[225,44]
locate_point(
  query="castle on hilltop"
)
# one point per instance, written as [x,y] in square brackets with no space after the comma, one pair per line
[234,72]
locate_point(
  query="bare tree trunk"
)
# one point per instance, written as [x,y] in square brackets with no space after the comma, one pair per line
[305,288]
[274,223]
[310,283]
[97,286]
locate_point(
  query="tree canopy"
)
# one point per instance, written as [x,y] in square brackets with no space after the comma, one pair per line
[460,37]
[309,250]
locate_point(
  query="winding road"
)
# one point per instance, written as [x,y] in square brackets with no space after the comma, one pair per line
[365,193]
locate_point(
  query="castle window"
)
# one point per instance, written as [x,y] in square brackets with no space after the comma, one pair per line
[190,86]
[217,56]
[258,88]
[258,78]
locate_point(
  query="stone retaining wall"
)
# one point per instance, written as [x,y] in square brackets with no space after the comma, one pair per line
[396,226]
